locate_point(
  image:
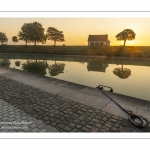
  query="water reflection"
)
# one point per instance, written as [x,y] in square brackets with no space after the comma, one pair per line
[122,73]
[38,67]
[5,62]
[90,71]
[17,63]
[56,69]
[97,66]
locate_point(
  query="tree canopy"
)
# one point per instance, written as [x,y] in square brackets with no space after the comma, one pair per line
[15,39]
[3,38]
[55,35]
[24,34]
[126,34]
[32,32]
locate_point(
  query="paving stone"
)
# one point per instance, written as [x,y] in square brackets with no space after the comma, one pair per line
[43,130]
[95,102]
[33,125]
[67,129]
[39,122]
[78,126]
[76,121]
[108,115]
[94,129]
[115,117]
[95,120]
[114,129]
[88,126]
[35,130]
[104,118]
[75,130]
[98,125]
[66,115]
[107,125]
[112,120]
[85,129]
[72,125]
[83,123]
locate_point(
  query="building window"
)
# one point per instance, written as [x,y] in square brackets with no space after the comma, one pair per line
[96,43]
[91,43]
[101,43]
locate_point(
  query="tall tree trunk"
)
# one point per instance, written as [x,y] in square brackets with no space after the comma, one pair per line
[124,42]
[34,42]
[54,43]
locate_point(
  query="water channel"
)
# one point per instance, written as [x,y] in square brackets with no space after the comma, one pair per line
[126,76]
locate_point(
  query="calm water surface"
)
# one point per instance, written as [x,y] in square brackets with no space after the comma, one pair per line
[126,76]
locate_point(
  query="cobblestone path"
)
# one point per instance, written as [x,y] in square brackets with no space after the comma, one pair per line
[62,114]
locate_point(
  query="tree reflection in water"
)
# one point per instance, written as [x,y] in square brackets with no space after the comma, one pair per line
[17,63]
[5,62]
[122,73]
[38,67]
[56,69]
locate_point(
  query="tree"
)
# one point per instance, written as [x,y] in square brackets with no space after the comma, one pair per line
[37,33]
[15,39]
[25,32]
[126,34]
[55,35]
[3,38]
[32,32]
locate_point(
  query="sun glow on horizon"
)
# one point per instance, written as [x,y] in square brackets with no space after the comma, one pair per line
[76,30]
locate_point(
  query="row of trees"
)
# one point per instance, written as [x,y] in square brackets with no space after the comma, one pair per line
[34,33]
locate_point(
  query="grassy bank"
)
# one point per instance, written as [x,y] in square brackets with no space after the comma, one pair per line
[110,51]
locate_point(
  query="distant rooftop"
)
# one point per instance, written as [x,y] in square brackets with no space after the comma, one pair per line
[98,37]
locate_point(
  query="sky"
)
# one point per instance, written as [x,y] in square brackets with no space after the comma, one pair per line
[76,30]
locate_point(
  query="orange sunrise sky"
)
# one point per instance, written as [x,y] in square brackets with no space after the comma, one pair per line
[76,30]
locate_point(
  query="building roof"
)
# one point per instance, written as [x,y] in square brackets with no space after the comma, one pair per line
[98,37]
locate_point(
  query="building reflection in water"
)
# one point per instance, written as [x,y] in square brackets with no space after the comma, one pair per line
[97,66]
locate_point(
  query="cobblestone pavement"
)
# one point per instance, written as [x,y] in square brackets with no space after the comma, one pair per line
[15,120]
[52,112]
